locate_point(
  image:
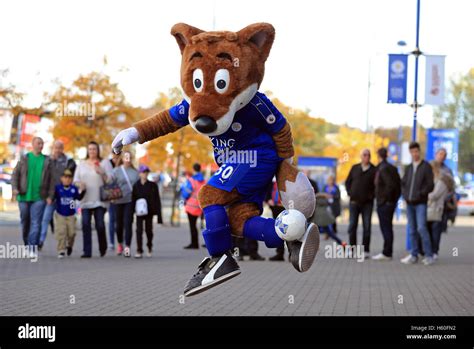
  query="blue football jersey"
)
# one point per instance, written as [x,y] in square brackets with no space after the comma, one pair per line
[252,128]
[65,199]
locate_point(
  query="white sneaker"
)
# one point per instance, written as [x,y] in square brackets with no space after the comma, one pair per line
[435,256]
[381,257]
[126,252]
[409,259]
[138,255]
[428,261]
[61,255]
[148,254]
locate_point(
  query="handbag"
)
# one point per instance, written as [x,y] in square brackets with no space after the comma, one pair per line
[110,191]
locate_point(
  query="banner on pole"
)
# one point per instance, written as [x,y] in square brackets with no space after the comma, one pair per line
[397,78]
[447,139]
[434,85]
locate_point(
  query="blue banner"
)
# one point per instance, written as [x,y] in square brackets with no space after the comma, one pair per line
[397,78]
[447,139]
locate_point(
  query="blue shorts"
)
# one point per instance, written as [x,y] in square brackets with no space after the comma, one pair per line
[252,183]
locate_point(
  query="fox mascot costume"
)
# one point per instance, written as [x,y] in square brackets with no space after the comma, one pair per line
[221,72]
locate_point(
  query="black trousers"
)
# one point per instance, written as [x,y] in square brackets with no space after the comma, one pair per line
[148,219]
[193,229]
[356,209]
[385,213]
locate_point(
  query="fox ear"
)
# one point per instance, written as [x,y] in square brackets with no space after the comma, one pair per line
[259,34]
[183,34]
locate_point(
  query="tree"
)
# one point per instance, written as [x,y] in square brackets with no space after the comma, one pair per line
[91,109]
[406,136]
[347,145]
[458,113]
[308,132]
[9,96]
[190,146]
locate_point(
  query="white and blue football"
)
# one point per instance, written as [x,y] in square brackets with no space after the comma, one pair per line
[290,225]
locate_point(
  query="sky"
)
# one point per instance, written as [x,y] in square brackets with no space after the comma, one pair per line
[323,55]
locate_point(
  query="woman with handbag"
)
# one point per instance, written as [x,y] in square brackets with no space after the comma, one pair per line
[147,203]
[443,185]
[126,176]
[92,173]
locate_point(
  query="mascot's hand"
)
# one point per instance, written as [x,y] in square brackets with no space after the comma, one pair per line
[289,160]
[125,137]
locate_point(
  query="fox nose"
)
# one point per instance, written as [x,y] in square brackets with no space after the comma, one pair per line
[206,124]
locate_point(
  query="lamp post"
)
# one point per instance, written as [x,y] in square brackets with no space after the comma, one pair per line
[417,54]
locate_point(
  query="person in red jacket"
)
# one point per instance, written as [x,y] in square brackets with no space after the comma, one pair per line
[189,192]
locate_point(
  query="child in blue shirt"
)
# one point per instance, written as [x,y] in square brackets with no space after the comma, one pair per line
[66,195]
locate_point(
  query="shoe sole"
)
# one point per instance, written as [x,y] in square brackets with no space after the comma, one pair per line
[309,248]
[212,284]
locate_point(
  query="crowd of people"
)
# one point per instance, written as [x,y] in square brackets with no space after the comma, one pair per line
[427,188]
[47,189]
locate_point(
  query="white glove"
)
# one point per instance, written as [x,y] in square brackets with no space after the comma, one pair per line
[125,137]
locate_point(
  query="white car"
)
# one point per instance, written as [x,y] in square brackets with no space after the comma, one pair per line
[466,202]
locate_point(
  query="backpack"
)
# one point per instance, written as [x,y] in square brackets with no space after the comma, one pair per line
[141,207]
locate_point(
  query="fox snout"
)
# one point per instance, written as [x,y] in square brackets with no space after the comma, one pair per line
[205,124]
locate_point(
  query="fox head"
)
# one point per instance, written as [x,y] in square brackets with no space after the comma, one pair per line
[221,71]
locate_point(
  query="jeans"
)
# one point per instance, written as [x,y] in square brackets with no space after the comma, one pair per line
[47,219]
[416,215]
[330,231]
[98,213]
[356,209]
[31,213]
[435,229]
[124,221]
[112,223]
[385,213]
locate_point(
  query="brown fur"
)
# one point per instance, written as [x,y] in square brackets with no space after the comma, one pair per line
[248,50]
[209,195]
[155,126]
[239,213]
[285,172]
[284,142]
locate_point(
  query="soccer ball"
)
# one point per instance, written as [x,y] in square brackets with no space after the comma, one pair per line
[290,225]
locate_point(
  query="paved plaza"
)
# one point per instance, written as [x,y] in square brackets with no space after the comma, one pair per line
[114,285]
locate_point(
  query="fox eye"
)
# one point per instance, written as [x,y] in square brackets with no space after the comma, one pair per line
[198,80]
[221,80]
